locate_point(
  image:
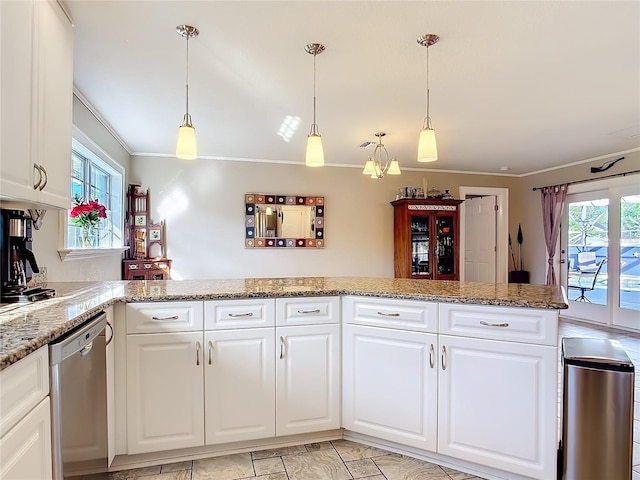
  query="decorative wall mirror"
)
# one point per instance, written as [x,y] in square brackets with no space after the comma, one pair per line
[288,221]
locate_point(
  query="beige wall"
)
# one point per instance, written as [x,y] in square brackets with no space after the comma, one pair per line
[45,240]
[202,203]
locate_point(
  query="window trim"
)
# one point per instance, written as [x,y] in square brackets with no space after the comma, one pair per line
[66,253]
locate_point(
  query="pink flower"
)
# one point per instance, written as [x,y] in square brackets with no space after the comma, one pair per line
[89,214]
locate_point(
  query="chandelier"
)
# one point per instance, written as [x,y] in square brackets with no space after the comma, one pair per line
[379,162]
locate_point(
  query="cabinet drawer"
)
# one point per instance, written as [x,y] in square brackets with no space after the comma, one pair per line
[412,315]
[22,386]
[527,325]
[307,311]
[225,314]
[164,317]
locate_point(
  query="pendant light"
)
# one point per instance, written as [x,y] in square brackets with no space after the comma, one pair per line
[315,154]
[379,163]
[427,149]
[186,148]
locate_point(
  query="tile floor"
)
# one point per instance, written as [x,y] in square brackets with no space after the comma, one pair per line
[343,460]
[336,460]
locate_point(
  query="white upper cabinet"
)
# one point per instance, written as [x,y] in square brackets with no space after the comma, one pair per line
[36,104]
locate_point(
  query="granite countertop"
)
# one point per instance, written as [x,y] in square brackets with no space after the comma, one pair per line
[25,328]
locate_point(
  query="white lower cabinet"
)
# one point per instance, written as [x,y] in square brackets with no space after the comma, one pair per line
[481,387]
[165,394]
[307,379]
[497,404]
[390,384]
[239,385]
[25,418]
[25,452]
[219,372]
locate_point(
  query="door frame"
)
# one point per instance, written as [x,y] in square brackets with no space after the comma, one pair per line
[611,314]
[502,228]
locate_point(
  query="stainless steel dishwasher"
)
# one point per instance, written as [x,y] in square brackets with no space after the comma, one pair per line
[79,399]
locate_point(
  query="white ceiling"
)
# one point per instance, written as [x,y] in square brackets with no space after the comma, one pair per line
[527,85]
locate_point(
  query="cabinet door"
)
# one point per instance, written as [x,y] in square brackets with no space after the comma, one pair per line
[165,404]
[55,104]
[17,44]
[239,384]
[390,385]
[25,451]
[498,404]
[421,225]
[445,248]
[307,379]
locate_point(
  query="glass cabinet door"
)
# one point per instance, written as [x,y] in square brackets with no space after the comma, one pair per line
[420,246]
[445,246]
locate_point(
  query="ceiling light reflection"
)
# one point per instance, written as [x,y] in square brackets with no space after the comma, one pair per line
[289,127]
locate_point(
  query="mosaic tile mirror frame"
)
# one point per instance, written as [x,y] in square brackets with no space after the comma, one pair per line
[284,221]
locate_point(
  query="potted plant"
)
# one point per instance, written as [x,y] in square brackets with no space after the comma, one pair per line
[518,274]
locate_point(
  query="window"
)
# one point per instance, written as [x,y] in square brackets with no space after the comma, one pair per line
[98,178]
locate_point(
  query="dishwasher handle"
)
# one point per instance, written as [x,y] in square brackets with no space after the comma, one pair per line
[77,339]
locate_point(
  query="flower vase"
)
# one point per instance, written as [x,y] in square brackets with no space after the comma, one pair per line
[87,237]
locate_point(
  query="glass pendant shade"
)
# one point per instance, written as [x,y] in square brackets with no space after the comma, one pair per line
[369,168]
[315,153]
[187,148]
[427,148]
[394,167]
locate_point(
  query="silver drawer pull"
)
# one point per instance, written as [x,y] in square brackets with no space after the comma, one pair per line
[493,324]
[431,355]
[389,314]
[235,315]
[175,317]
[306,312]
[282,342]
[443,358]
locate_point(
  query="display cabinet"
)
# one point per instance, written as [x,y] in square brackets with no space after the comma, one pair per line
[426,238]
[145,258]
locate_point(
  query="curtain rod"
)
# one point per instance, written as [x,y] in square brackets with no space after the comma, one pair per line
[593,179]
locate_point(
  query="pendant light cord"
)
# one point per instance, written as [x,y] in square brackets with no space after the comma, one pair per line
[427,122]
[187,117]
[314,126]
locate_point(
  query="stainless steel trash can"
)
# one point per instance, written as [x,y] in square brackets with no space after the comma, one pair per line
[597,410]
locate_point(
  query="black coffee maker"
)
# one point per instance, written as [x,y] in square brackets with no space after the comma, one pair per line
[17,261]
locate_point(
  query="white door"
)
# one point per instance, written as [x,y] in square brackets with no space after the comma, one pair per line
[497,404]
[239,385]
[307,379]
[165,398]
[25,451]
[390,384]
[480,239]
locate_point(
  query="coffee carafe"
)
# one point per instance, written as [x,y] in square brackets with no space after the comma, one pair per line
[17,261]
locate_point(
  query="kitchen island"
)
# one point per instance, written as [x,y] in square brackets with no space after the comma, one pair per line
[26,327]
[458,373]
